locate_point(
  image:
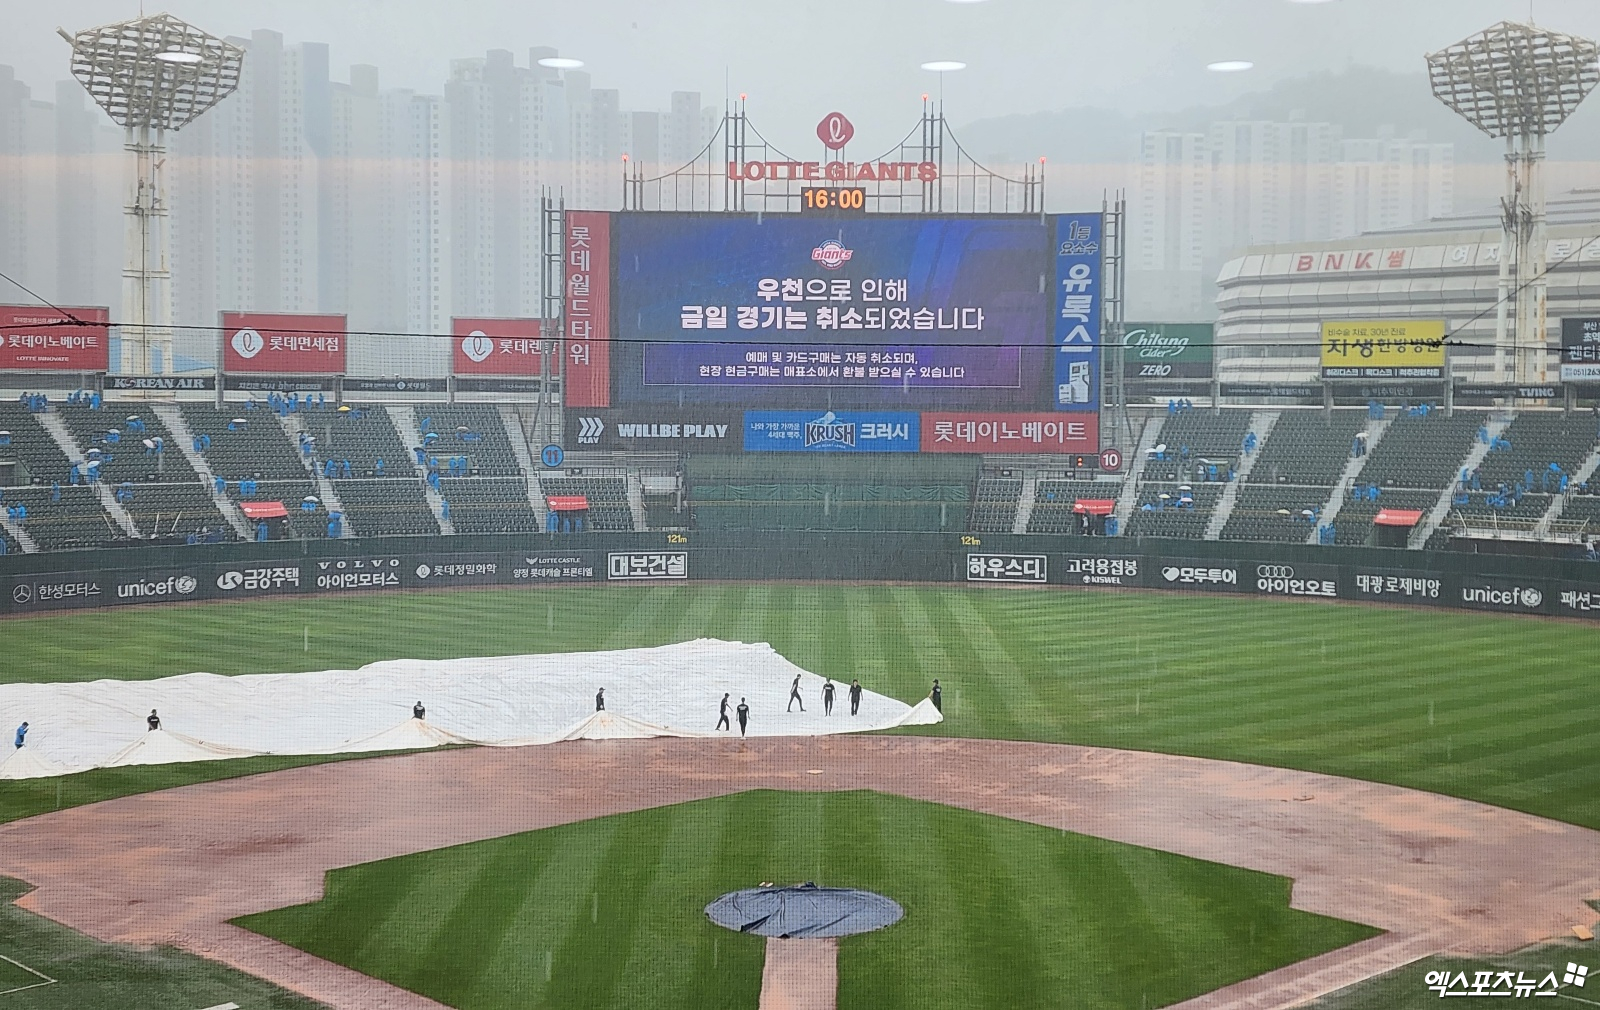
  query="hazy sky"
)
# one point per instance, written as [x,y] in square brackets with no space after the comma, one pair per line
[801,59]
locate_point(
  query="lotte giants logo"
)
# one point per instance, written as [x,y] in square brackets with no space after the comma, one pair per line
[831,254]
[835,131]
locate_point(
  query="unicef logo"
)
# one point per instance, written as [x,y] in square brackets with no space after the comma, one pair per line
[478,346]
[1532,597]
[247,343]
[185,585]
[423,571]
[230,580]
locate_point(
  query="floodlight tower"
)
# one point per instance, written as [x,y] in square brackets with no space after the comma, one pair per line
[1518,82]
[152,75]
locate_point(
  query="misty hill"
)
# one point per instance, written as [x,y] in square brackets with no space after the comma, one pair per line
[1360,99]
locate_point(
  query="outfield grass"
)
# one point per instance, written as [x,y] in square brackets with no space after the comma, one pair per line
[100,976]
[998,913]
[1493,708]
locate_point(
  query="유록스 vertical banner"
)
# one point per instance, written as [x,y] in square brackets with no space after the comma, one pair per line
[588,310]
[1077,308]
[495,347]
[38,339]
[289,344]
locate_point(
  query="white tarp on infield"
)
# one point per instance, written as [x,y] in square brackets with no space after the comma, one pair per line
[671,690]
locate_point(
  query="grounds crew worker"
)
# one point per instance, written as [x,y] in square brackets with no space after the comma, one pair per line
[937,696]
[794,695]
[827,697]
[418,712]
[600,700]
[22,733]
[153,721]
[855,696]
[722,723]
[744,716]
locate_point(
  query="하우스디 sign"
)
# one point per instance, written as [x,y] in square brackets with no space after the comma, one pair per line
[272,343]
[38,339]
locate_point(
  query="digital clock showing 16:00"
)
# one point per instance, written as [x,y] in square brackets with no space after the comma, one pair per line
[843,200]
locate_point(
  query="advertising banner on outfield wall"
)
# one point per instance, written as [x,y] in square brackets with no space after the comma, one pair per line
[1383,349]
[495,346]
[1578,600]
[571,565]
[1580,350]
[1385,585]
[657,429]
[441,571]
[38,339]
[1206,574]
[588,310]
[647,566]
[1098,570]
[1294,580]
[1021,568]
[382,572]
[1506,596]
[969,431]
[294,344]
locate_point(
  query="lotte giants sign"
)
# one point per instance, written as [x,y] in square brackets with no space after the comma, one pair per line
[37,339]
[494,346]
[282,343]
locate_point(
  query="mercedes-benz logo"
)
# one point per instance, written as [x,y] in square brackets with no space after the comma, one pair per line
[22,594]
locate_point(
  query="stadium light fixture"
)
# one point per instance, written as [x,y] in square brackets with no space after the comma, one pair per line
[1518,82]
[1230,66]
[152,75]
[944,66]
[560,63]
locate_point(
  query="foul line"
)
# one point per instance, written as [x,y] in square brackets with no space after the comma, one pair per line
[37,985]
[1575,999]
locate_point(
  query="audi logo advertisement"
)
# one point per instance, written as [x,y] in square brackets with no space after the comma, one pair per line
[1297,580]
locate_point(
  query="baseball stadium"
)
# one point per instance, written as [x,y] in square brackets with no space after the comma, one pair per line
[702,640]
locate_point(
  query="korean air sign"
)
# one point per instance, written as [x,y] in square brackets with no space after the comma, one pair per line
[1078,298]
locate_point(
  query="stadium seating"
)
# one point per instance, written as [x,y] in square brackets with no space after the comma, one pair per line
[76,521]
[1053,501]
[127,459]
[387,506]
[32,446]
[175,510]
[259,448]
[1186,523]
[1258,514]
[1422,451]
[608,499]
[1537,439]
[1353,525]
[831,492]
[489,505]
[1199,434]
[291,493]
[1308,448]
[363,436]
[485,443]
[994,506]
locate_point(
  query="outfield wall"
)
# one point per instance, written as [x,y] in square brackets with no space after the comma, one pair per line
[36,583]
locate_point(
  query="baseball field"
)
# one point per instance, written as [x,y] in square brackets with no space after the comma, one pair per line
[999,912]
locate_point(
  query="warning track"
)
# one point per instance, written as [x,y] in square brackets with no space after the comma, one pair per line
[173,867]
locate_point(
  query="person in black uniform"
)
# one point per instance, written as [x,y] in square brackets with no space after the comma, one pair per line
[794,695]
[153,720]
[937,696]
[744,716]
[827,696]
[855,696]
[418,712]
[722,721]
[600,700]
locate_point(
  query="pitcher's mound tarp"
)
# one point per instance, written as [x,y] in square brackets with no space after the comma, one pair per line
[804,911]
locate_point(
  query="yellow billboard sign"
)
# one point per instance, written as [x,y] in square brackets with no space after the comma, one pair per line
[1383,349]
